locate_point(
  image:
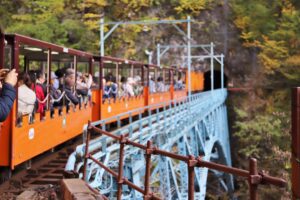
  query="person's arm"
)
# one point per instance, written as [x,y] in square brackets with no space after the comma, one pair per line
[72,98]
[6,100]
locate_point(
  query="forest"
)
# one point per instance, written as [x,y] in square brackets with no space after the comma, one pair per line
[260,40]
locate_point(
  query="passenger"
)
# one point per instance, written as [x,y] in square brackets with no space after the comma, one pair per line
[129,87]
[83,83]
[69,84]
[39,92]
[8,92]
[178,85]
[152,85]
[138,88]
[114,88]
[81,88]
[54,93]
[55,80]
[40,80]
[26,96]
[96,79]
[160,87]
[107,87]
[123,83]
[60,78]
[110,87]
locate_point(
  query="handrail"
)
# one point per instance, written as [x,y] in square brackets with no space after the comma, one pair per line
[142,109]
[170,108]
[254,178]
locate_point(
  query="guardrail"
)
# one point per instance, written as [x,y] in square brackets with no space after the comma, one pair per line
[254,177]
[169,111]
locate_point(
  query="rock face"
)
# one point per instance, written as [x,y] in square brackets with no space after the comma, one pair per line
[27,195]
[75,189]
[211,25]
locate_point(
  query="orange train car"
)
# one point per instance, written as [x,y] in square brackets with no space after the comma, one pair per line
[22,138]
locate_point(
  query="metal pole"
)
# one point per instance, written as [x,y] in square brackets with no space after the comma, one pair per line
[148,170]
[191,178]
[120,175]
[296,143]
[212,66]
[150,58]
[102,37]
[158,54]
[86,152]
[253,172]
[222,71]
[49,63]
[189,54]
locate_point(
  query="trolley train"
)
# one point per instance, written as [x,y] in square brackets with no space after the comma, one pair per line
[24,137]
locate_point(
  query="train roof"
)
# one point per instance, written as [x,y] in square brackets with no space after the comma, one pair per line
[35,49]
[32,45]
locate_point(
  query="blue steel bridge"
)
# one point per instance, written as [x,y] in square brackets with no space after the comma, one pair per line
[195,126]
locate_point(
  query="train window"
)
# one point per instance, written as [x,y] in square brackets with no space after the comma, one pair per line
[84,81]
[121,80]
[31,81]
[83,67]
[138,82]
[179,80]
[159,80]
[109,73]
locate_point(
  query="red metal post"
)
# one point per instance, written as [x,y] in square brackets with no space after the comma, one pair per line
[121,157]
[191,185]
[149,151]
[296,143]
[253,179]
[49,63]
[89,129]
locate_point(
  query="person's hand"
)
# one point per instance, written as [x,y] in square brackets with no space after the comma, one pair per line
[11,78]
[3,73]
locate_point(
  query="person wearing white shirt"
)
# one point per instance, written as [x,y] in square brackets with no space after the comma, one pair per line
[26,96]
[152,85]
[160,87]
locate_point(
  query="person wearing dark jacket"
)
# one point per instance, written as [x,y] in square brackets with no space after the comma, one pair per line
[8,92]
[69,83]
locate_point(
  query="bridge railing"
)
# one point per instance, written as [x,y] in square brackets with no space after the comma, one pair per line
[254,177]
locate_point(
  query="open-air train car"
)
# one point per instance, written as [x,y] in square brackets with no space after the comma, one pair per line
[24,137]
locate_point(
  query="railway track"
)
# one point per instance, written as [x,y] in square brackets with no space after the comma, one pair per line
[43,177]
[45,173]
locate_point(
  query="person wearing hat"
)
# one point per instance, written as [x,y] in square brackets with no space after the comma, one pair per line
[54,81]
[55,93]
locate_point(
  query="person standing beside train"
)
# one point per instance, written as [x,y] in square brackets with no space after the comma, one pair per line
[8,92]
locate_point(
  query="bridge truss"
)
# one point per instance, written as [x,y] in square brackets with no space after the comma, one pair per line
[195,126]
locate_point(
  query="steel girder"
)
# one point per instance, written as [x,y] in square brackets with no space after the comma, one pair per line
[195,126]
